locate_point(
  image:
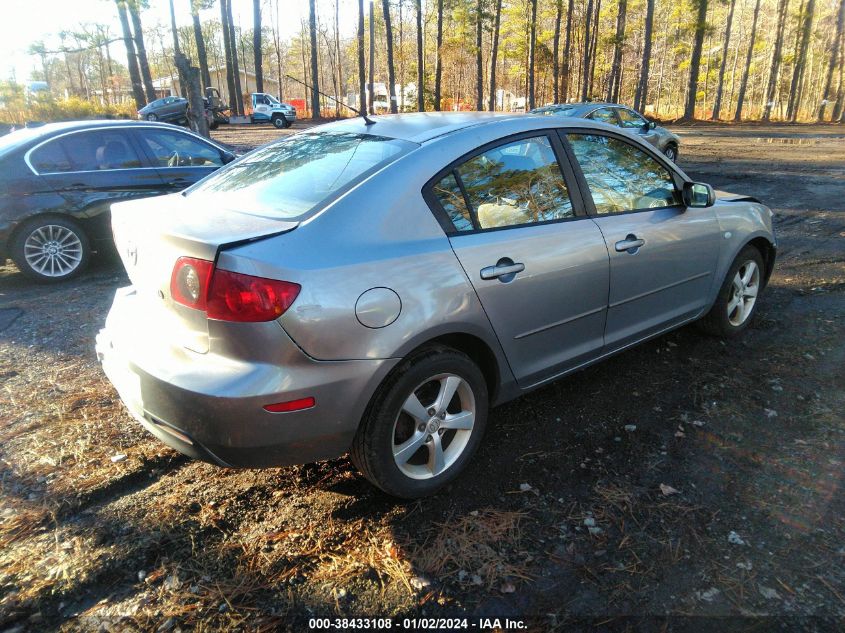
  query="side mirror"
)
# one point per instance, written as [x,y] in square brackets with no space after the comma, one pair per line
[651,125]
[698,195]
[228,157]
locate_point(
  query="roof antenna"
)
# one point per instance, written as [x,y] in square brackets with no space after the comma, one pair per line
[363,115]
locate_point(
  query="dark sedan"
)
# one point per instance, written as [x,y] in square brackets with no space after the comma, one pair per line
[58,181]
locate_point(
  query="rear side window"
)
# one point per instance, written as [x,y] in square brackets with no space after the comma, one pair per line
[622,177]
[605,115]
[51,158]
[293,177]
[95,150]
[514,184]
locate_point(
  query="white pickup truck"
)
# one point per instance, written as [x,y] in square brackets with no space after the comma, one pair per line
[266,107]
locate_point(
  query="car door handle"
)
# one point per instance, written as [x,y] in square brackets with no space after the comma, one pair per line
[631,243]
[503,268]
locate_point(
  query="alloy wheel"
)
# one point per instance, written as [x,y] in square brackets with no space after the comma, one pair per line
[53,250]
[744,289]
[434,426]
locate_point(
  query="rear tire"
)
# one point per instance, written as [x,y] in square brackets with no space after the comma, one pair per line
[51,249]
[738,297]
[412,441]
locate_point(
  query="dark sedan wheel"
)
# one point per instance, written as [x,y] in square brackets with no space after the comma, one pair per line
[152,117]
[671,152]
[737,299]
[51,249]
[424,424]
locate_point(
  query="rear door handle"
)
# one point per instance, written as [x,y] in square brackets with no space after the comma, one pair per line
[631,243]
[505,270]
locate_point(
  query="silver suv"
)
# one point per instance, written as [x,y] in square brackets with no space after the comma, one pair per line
[376,287]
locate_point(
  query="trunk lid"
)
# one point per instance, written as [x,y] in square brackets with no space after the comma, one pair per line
[151,234]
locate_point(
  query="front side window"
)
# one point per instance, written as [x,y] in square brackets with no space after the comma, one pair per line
[513,184]
[95,150]
[292,177]
[630,120]
[174,149]
[622,177]
[605,115]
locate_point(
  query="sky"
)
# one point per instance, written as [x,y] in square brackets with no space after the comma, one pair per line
[21,25]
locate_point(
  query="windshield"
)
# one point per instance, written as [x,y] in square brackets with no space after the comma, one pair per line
[273,100]
[560,110]
[291,178]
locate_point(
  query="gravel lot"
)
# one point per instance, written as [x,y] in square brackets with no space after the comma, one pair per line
[686,477]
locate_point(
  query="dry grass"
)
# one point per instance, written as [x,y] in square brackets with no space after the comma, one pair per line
[486,543]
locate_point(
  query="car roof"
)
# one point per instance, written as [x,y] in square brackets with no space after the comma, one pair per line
[29,136]
[419,127]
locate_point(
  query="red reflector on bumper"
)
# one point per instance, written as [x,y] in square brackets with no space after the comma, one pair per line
[292,405]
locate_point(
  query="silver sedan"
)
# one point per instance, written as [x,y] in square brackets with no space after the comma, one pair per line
[376,287]
[629,120]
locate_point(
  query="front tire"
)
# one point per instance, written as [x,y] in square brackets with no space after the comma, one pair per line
[671,152]
[51,249]
[736,302]
[279,121]
[423,425]
[152,117]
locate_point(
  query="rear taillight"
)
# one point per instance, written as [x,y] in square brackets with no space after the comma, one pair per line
[189,281]
[228,296]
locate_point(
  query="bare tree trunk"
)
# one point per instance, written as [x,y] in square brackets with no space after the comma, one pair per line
[585,81]
[372,58]
[743,86]
[391,71]
[315,79]
[641,98]
[228,55]
[176,50]
[362,68]
[239,95]
[256,45]
[337,53]
[132,61]
[532,45]
[695,60]
[619,41]
[556,52]
[438,60]
[798,71]
[420,60]
[717,102]
[479,60]
[567,48]
[202,54]
[143,64]
[594,46]
[835,48]
[771,91]
[494,52]
[196,107]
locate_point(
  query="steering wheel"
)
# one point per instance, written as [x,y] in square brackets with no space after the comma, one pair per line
[173,159]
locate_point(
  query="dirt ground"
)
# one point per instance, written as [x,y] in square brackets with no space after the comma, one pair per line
[687,484]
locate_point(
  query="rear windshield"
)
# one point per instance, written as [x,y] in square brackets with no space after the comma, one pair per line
[291,178]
